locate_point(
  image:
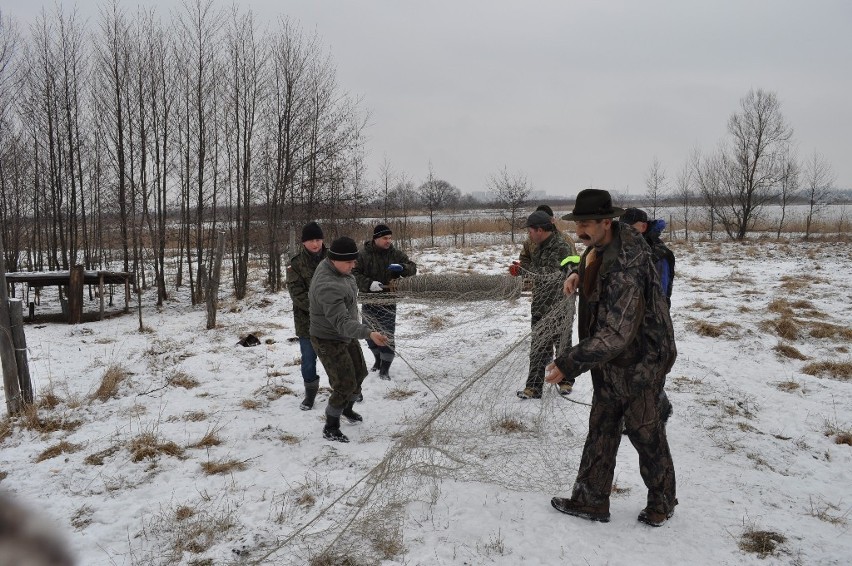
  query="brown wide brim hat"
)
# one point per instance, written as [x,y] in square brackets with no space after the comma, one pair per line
[593,204]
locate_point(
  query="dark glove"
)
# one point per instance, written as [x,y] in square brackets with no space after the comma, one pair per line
[515,269]
[395,268]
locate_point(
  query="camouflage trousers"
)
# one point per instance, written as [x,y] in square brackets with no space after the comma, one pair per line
[621,398]
[381,318]
[550,336]
[344,364]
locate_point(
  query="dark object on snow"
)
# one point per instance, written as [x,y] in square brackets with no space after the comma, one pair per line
[250,340]
[27,538]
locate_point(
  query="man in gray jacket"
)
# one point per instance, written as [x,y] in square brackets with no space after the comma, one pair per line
[335,330]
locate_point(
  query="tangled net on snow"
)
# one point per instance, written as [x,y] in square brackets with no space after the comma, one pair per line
[452,335]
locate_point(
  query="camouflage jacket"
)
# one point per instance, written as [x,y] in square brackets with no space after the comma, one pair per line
[624,320]
[373,265]
[334,305]
[299,275]
[545,263]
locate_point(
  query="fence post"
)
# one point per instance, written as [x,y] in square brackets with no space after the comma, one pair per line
[7,350]
[19,341]
[75,294]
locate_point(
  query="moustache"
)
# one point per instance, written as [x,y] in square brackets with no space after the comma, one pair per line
[585,237]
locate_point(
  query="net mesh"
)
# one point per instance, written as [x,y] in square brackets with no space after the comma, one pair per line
[454,335]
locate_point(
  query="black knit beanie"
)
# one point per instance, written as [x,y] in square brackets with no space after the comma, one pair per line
[343,249]
[545,208]
[381,230]
[311,231]
[634,215]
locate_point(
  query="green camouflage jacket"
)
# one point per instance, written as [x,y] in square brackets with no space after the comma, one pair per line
[299,275]
[624,322]
[373,265]
[545,262]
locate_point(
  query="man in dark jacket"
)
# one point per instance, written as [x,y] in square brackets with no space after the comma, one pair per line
[379,265]
[299,274]
[552,313]
[627,342]
[335,330]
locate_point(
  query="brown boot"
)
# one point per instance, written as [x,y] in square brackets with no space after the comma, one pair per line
[591,512]
[655,518]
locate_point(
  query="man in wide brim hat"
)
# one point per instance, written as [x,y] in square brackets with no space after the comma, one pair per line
[593,204]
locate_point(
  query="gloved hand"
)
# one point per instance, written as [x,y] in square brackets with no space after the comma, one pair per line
[515,269]
[376,286]
[395,268]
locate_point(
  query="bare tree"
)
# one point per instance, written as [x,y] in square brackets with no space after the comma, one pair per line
[435,194]
[789,187]
[244,83]
[386,181]
[684,196]
[748,170]
[819,184]
[511,192]
[655,183]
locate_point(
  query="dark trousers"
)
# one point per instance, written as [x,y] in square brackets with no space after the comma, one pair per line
[381,318]
[309,360]
[617,395]
[545,337]
[344,364]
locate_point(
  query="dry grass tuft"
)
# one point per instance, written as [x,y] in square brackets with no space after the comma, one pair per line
[49,400]
[762,543]
[509,425]
[436,322]
[97,459]
[826,330]
[785,327]
[274,392]
[288,438]
[843,438]
[306,500]
[398,394]
[700,305]
[63,447]
[183,379]
[112,378]
[223,467]
[329,559]
[250,404]
[147,445]
[788,351]
[788,386]
[835,370]
[825,511]
[208,440]
[82,517]
[184,512]
[32,421]
[5,429]
[195,416]
[723,329]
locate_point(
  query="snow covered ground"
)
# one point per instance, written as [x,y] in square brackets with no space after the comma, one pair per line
[201,456]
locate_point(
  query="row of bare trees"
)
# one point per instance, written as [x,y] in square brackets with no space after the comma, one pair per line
[755,166]
[149,134]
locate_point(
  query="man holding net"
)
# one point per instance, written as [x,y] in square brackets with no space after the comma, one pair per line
[627,342]
[552,313]
[380,264]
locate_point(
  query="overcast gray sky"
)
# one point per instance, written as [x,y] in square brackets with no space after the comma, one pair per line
[572,94]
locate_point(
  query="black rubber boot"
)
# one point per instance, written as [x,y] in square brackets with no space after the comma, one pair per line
[331,430]
[310,396]
[378,361]
[351,415]
[384,367]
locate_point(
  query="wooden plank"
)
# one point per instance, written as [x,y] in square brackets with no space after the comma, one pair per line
[7,350]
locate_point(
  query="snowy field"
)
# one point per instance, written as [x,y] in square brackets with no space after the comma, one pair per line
[199,455]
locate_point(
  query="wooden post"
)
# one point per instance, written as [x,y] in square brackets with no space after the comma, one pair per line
[75,294]
[213,282]
[291,249]
[126,293]
[101,292]
[7,349]
[19,341]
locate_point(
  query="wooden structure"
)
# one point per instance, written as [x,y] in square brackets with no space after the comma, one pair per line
[74,281]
